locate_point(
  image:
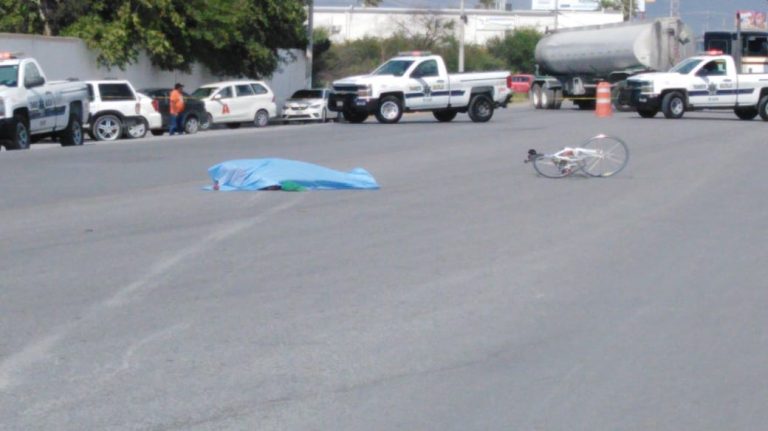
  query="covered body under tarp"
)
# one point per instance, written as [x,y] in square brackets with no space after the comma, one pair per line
[278,174]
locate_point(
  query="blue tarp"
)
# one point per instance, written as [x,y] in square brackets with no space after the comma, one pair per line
[272,173]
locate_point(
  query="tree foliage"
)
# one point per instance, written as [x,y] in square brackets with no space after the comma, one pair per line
[232,37]
[517,49]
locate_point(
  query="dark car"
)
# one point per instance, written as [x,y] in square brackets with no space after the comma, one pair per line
[195,116]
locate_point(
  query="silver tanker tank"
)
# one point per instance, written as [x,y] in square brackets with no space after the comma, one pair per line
[601,50]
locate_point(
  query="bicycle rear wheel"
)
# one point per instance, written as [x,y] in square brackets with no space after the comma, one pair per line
[612,156]
[550,166]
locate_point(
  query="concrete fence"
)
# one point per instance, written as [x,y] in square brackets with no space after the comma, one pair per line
[66,57]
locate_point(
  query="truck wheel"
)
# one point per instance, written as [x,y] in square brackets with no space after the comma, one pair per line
[20,139]
[390,110]
[73,134]
[107,128]
[547,98]
[354,116]
[137,130]
[480,108]
[444,115]
[647,113]
[746,113]
[535,96]
[673,105]
[762,107]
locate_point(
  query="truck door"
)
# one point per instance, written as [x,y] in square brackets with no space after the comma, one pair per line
[40,102]
[431,88]
[714,85]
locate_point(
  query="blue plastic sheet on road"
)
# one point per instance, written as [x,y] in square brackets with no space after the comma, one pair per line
[279,174]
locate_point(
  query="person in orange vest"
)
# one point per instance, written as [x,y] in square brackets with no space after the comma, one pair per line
[176,110]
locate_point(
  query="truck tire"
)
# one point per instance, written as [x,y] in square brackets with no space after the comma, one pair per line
[535,96]
[20,139]
[354,116]
[107,128]
[747,113]
[547,98]
[444,115]
[480,108]
[647,113]
[762,107]
[73,134]
[673,105]
[390,110]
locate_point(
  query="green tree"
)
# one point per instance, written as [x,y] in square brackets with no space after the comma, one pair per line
[232,37]
[517,49]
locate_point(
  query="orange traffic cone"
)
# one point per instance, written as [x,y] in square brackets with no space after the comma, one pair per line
[603,106]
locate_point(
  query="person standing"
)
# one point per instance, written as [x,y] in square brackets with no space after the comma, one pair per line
[176,110]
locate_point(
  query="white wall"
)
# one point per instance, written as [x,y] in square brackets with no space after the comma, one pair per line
[351,23]
[65,57]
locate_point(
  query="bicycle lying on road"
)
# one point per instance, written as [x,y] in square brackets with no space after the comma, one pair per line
[600,156]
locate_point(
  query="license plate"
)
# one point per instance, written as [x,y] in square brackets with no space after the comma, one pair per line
[339,103]
[360,102]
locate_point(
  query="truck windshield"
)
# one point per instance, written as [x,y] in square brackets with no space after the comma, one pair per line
[393,67]
[686,66]
[9,75]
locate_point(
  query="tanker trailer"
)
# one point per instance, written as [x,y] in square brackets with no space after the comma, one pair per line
[571,62]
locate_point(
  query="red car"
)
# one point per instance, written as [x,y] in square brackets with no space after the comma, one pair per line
[521,83]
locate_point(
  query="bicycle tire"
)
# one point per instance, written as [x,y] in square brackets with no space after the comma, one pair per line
[614,155]
[547,166]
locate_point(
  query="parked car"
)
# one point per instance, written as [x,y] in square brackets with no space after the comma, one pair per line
[307,105]
[521,83]
[117,110]
[195,116]
[236,102]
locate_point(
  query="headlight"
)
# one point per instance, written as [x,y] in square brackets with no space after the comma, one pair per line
[316,105]
[364,91]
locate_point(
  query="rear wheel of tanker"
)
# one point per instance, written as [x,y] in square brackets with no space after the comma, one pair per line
[480,108]
[535,96]
[746,113]
[647,113]
[762,107]
[673,105]
[547,98]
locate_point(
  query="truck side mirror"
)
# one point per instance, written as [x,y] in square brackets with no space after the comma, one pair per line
[34,82]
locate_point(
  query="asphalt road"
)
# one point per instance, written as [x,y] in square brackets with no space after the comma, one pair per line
[466,294]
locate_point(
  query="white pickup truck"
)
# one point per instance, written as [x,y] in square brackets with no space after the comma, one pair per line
[419,81]
[31,108]
[701,82]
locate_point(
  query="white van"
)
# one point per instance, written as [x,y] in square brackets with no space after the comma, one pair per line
[236,102]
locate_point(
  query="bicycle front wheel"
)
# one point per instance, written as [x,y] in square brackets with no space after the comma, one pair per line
[611,155]
[550,166]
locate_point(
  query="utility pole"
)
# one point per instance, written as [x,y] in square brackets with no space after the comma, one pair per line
[557,8]
[674,8]
[463,19]
[310,44]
